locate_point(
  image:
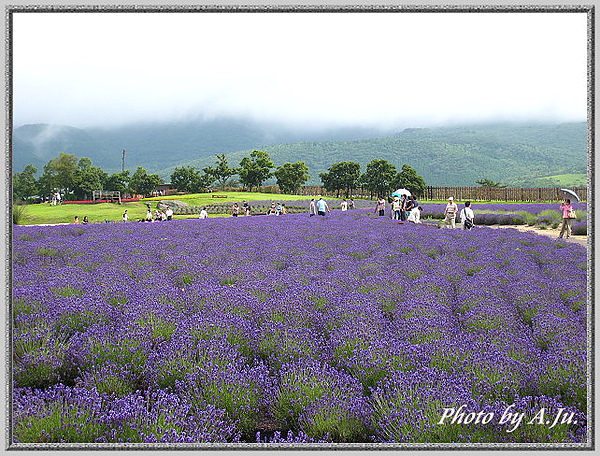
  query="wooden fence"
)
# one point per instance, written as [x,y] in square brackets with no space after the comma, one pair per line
[442,193]
[500,194]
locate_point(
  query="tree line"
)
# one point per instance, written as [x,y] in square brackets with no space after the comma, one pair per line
[78,178]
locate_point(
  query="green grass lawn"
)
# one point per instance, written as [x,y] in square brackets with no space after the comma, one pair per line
[204,199]
[36,214]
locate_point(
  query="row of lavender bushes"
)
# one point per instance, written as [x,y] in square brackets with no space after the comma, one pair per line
[345,328]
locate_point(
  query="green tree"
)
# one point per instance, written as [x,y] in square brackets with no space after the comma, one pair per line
[291,176]
[60,174]
[142,183]
[490,183]
[410,180]
[342,176]
[184,178]
[380,177]
[118,182]
[24,184]
[222,172]
[88,178]
[256,169]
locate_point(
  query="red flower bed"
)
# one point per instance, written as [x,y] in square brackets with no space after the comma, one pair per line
[123,200]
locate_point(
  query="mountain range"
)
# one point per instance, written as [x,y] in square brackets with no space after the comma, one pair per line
[515,154]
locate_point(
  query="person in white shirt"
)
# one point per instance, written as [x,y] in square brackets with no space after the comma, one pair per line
[169,213]
[467,217]
[344,205]
[322,207]
[450,213]
[203,213]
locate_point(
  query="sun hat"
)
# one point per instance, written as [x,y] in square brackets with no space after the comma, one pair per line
[451,198]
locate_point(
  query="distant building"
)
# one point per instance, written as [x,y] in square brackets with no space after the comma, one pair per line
[164,190]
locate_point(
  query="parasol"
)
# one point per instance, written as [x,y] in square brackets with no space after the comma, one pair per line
[401,191]
[570,193]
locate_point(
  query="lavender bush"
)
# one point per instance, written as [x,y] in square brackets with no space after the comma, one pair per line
[344,328]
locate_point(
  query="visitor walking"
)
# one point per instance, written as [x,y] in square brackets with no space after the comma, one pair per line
[169,213]
[203,213]
[312,208]
[236,210]
[467,217]
[450,213]
[125,216]
[568,215]
[322,207]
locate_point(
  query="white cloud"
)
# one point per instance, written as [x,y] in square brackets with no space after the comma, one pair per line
[370,68]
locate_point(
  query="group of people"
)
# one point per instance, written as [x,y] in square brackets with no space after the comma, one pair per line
[467,216]
[403,208]
[156,216]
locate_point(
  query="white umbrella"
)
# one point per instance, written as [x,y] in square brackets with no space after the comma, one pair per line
[401,191]
[571,193]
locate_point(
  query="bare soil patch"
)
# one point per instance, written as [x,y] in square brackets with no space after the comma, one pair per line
[549,232]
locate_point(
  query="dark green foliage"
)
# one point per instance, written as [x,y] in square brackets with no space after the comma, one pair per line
[342,176]
[256,169]
[291,176]
[143,183]
[380,177]
[24,184]
[221,173]
[410,180]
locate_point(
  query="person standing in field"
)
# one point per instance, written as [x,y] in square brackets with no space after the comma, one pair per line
[344,205]
[236,210]
[203,213]
[567,217]
[322,207]
[246,207]
[312,208]
[351,203]
[148,215]
[125,216]
[169,213]
[467,217]
[396,208]
[380,206]
[283,209]
[450,213]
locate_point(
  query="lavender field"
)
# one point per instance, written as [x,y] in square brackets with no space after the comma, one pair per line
[294,329]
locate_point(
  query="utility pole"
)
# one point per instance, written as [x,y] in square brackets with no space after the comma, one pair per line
[123,162]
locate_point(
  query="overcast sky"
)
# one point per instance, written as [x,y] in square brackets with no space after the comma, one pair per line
[389,69]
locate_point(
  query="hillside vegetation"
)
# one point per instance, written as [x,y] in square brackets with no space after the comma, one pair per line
[515,154]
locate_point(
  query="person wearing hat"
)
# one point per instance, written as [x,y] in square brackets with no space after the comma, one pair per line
[396,208]
[450,213]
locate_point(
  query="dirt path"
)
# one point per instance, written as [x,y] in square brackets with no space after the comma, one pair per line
[549,232]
